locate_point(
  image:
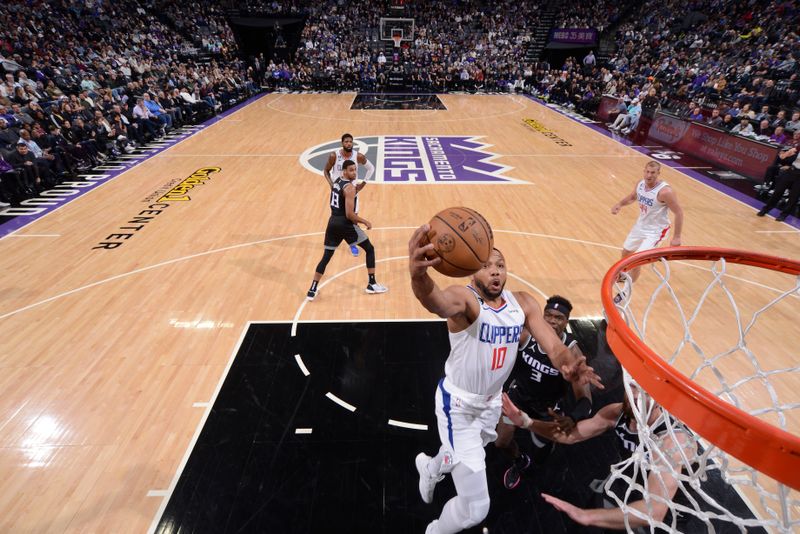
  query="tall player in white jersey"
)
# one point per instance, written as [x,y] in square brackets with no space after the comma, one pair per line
[484,323]
[333,169]
[656,198]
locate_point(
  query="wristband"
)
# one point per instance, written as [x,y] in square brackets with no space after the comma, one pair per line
[526,421]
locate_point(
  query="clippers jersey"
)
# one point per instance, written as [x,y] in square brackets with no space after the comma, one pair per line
[653,214]
[336,171]
[338,208]
[536,376]
[483,354]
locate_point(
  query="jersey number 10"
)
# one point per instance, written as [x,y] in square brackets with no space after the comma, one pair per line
[498,357]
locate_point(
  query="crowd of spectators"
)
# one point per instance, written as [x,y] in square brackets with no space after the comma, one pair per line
[468,45]
[85,82]
[711,51]
[457,45]
[730,63]
[204,22]
[335,50]
[272,7]
[581,14]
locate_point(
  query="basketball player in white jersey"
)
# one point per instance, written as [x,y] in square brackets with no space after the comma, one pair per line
[656,198]
[333,169]
[484,323]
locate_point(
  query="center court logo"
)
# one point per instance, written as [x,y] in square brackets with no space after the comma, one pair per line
[420,159]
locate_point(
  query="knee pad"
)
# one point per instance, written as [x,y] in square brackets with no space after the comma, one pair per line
[478,510]
[473,496]
[472,512]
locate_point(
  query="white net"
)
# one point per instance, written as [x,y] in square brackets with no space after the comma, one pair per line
[732,330]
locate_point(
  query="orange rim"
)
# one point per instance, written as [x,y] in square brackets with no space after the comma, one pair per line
[766,448]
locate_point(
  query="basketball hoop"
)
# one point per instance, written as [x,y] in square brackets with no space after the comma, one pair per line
[397,37]
[733,429]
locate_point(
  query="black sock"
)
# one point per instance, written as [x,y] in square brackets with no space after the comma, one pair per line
[313,285]
[372,279]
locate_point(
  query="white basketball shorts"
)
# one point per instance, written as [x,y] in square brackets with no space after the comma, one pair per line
[644,239]
[467,423]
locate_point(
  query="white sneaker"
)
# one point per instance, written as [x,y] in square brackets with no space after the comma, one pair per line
[311,295]
[427,482]
[376,288]
[4,204]
[432,528]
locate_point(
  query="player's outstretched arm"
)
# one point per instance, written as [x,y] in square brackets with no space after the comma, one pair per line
[668,197]
[604,419]
[661,486]
[610,518]
[582,392]
[627,199]
[445,303]
[574,369]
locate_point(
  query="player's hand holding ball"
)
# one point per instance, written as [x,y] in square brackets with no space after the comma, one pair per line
[461,239]
[418,249]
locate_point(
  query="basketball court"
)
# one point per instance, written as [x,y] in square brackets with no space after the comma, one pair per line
[135,316]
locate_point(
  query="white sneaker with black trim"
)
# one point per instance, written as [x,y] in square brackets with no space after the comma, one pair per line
[311,295]
[376,288]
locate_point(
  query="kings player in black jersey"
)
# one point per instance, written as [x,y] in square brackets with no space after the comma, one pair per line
[333,170]
[343,226]
[677,445]
[538,388]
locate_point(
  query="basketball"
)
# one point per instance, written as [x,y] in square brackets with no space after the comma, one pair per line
[462,238]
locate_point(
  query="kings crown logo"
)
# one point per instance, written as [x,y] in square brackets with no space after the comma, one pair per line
[418,159]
